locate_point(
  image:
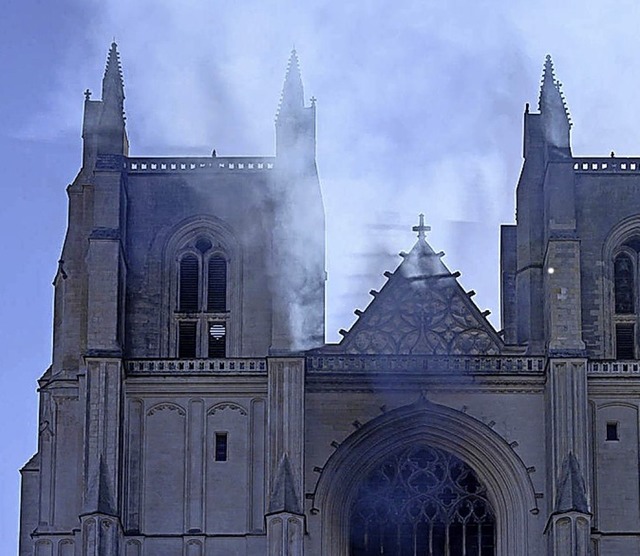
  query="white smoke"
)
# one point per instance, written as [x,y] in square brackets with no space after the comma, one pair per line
[419,107]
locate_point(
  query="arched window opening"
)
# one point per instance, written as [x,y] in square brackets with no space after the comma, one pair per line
[189,284]
[422,501]
[624,285]
[201,316]
[217,285]
[625,281]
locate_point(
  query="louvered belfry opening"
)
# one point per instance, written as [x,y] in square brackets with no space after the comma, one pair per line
[217,339]
[202,314]
[422,501]
[625,341]
[187,335]
[625,270]
[217,285]
[189,284]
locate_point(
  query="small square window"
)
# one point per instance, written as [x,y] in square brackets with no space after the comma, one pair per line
[220,448]
[612,431]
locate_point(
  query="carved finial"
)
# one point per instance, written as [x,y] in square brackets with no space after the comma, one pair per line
[87,94]
[613,155]
[421,229]
[213,153]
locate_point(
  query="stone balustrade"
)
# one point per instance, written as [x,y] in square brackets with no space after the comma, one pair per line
[610,165]
[614,368]
[188,366]
[198,164]
[426,363]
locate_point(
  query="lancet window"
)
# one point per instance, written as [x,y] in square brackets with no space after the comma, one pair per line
[201,309]
[422,501]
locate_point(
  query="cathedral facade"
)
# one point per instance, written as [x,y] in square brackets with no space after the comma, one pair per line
[193,408]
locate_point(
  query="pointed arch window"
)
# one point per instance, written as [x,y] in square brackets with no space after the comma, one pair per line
[625,299]
[624,286]
[201,309]
[217,284]
[422,500]
[189,283]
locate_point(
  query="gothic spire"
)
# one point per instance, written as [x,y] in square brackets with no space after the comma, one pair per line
[553,109]
[551,99]
[112,82]
[292,98]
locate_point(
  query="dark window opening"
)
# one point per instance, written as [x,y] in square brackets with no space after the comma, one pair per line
[625,341]
[189,284]
[187,339]
[220,449]
[217,285]
[217,339]
[624,285]
[612,431]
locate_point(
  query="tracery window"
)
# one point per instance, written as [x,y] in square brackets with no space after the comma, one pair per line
[201,309]
[625,300]
[422,501]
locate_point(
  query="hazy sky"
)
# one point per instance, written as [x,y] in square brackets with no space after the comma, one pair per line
[419,110]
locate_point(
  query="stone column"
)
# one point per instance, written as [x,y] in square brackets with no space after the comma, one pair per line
[286,418]
[569,523]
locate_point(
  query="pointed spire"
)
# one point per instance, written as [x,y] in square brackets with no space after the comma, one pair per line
[553,109]
[571,495]
[112,82]
[292,98]
[284,497]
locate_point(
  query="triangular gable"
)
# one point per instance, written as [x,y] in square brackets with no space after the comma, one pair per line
[421,310]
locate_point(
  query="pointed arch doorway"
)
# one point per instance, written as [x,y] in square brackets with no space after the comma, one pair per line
[421,501]
[444,470]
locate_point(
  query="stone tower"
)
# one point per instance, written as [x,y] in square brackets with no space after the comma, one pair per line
[201,259]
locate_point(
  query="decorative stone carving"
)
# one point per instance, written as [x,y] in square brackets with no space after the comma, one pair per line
[429,315]
[167,406]
[227,405]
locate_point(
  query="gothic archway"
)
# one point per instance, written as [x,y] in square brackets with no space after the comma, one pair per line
[500,472]
[421,500]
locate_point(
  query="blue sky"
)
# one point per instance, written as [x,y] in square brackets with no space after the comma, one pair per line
[419,110]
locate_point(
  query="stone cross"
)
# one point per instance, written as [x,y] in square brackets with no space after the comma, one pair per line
[421,228]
